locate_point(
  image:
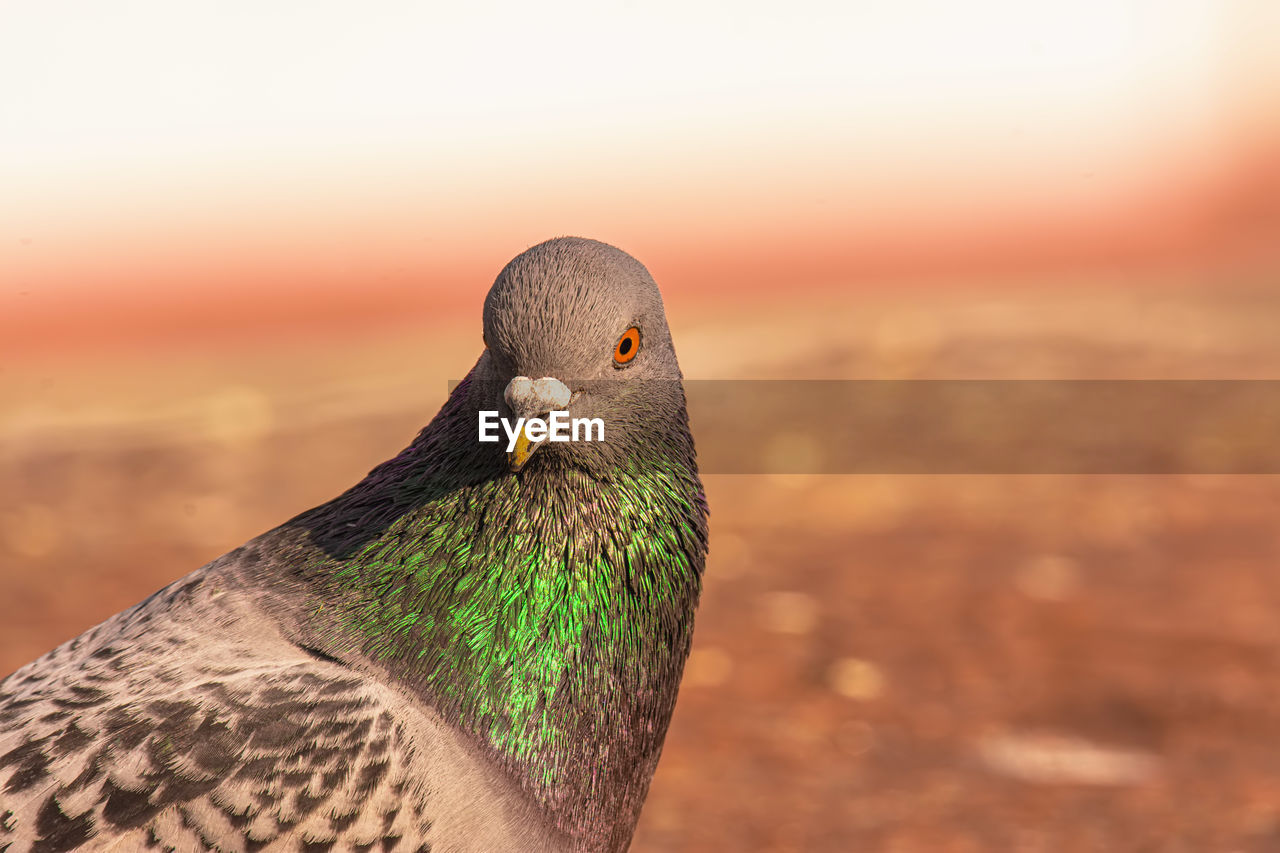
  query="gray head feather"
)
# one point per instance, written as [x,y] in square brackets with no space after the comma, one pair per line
[558,310]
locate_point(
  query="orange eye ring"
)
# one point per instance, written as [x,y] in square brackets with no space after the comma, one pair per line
[627,347]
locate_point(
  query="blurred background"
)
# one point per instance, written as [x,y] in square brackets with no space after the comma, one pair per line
[243,249]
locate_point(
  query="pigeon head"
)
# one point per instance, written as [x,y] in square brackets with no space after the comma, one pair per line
[578,326]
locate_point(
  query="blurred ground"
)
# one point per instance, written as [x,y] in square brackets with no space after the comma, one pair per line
[925,663]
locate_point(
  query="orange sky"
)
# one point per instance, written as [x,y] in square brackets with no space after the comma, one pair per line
[171,177]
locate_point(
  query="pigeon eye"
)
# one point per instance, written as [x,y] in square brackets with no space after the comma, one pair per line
[628,346]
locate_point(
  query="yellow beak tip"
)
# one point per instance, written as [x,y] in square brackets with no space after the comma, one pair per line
[524,449]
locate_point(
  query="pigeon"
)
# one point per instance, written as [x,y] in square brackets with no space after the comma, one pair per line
[477,647]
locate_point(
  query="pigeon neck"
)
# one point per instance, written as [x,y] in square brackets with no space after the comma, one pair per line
[547,615]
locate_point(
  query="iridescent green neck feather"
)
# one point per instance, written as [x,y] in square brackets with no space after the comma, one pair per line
[547,614]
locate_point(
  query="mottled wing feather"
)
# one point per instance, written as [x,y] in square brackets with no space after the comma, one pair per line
[245,760]
[184,734]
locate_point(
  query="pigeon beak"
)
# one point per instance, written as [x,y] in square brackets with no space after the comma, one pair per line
[532,398]
[523,452]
